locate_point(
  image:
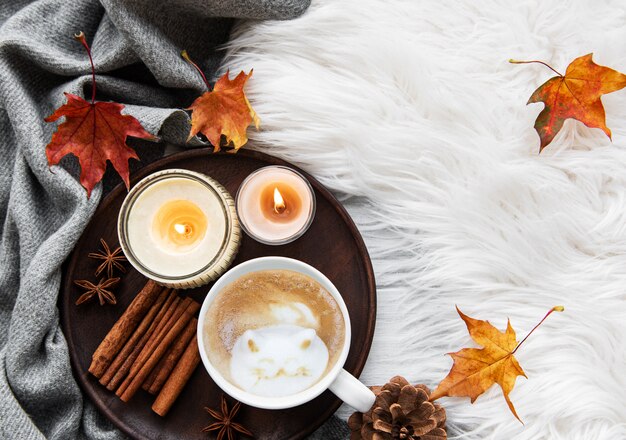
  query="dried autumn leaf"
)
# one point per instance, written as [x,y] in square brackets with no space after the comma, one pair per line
[223,111]
[574,95]
[94,132]
[476,369]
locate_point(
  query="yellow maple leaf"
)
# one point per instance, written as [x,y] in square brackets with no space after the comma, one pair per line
[476,369]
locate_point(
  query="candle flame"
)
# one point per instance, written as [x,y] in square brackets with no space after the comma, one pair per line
[279,203]
[183,229]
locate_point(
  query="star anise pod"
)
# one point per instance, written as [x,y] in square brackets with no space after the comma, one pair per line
[100,289]
[224,422]
[109,259]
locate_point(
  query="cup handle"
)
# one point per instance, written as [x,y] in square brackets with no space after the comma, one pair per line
[352,391]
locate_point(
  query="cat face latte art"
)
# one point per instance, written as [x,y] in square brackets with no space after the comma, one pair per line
[274,332]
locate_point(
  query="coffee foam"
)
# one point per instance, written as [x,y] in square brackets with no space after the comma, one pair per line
[278,360]
[277,307]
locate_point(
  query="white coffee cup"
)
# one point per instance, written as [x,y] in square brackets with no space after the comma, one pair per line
[339,381]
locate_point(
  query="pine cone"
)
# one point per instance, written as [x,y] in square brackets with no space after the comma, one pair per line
[401,411]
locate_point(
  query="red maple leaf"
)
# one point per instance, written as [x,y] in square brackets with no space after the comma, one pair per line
[94,132]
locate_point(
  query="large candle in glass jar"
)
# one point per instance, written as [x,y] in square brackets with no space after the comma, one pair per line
[179,228]
[276,205]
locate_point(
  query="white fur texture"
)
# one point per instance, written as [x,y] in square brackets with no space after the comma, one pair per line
[410,112]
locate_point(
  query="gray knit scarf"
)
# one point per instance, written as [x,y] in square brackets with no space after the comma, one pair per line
[136,46]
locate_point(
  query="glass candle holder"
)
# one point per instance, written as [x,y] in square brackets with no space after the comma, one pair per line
[179,228]
[275,205]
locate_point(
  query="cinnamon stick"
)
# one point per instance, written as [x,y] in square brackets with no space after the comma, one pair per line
[150,379]
[158,352]
[120,374]
[162,371]
[135,337]
[124,386]
[153,374]
[174,307]
[178,379]
[159,335]
[121,331]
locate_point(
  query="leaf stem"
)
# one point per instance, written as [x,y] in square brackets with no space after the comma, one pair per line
[553,309]
[512,61]
[80,37]
[185,56]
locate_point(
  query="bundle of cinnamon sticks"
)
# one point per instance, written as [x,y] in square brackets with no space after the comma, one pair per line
[152,346]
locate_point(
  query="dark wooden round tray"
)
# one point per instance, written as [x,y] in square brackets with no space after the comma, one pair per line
[332,244]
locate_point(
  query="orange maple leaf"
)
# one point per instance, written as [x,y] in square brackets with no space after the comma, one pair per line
[574,95]
[476,369]
[225,110]
[94,132]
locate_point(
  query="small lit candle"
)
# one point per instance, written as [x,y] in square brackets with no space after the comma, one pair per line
[178,227]
[276,205]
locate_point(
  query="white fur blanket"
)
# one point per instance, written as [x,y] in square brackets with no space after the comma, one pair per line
[410,112]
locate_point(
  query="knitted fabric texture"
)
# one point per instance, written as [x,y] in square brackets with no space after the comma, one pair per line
[136,47]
